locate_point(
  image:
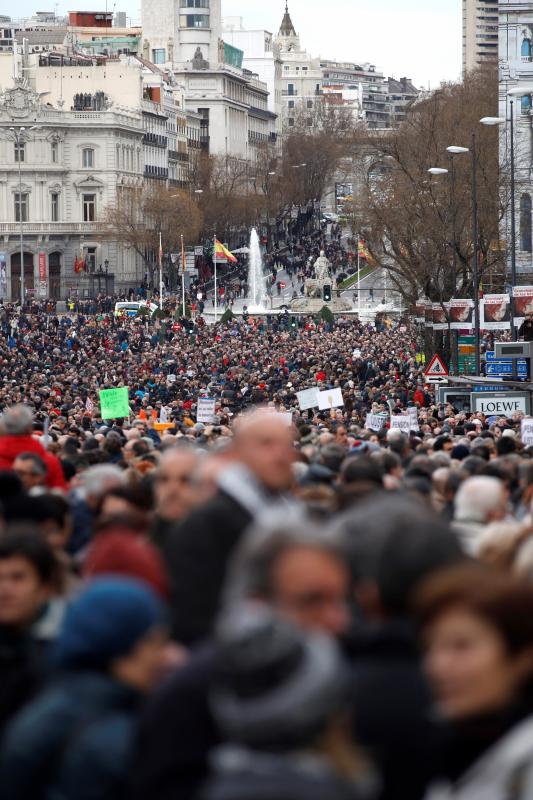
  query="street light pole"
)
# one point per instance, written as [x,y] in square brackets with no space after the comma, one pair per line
[475,265]
[513,226]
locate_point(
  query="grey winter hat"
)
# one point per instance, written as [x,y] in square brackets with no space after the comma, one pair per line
[275,684]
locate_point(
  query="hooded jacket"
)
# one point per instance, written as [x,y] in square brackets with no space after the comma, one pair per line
[13,446]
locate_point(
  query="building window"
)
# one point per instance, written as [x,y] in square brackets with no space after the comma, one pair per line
[89,207]
[194,4]
[54,207]
[194,21]
[525,223]
[87,157]
[20,152]
[290,103]
[525,104]
[291,122]
[54,147]
[158,55]
[309,104]
[526,49]
[21,207]
[290,88]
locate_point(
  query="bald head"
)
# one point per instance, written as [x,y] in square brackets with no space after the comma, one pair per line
[264,444]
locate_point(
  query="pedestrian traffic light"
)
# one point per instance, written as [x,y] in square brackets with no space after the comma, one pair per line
[327,293]
[294,322]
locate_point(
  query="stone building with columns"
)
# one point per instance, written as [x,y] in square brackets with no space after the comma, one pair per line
[59,170]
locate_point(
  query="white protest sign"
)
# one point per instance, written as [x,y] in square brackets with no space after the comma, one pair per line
[308,398]
[412,413]
[526,431]
[374,422]
[171,378]
[402,423]
[205,410]
[330,398]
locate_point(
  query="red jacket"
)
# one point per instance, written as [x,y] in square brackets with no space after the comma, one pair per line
[12,446]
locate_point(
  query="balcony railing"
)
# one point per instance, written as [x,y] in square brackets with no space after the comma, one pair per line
[155,139]
[29,228]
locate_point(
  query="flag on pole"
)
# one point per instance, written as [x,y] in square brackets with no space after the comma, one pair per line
[223,254]
[183,264]
[89,406]
[364,252]
[160,257]
[76,265]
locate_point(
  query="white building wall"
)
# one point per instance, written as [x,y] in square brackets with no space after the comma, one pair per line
[516,73]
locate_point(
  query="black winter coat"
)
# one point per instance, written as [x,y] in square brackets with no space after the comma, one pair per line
[393,717]
[197,555]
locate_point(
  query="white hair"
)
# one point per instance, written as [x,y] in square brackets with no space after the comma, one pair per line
[96,480]
[16,421]
[477,497]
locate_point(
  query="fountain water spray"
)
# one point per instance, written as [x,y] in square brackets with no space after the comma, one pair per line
[257,294]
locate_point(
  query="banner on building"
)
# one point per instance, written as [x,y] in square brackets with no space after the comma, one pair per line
[495,312]
[461,315]
[523,303]
[420,311]
[440,316]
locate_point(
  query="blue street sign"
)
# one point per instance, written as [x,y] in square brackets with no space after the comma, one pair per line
[499,387]
[503,367]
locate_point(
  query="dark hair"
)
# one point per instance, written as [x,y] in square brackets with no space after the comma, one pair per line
[502,601]
[39,465]
[358,469]
[25,542]
[505,446]
[395,541]
[440,441]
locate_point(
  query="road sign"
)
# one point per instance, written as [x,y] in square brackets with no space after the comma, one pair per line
[504,367]
[436,368]
[440,379]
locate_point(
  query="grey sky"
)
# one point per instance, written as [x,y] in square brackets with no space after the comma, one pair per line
[417,38]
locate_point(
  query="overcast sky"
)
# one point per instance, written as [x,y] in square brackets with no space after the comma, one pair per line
[417,38]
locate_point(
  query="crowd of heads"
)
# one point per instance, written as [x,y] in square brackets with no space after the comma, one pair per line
[274,605]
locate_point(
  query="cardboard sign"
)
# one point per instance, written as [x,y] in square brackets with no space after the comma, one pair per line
[205,409]
[526,431]
[374,422]
[330,398]
[308,398]
[114,403]
[412,413]
[402,423]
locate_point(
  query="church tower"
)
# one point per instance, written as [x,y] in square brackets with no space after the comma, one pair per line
[287,38]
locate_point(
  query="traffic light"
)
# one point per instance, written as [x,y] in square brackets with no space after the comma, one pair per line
[294,322]
[327,293]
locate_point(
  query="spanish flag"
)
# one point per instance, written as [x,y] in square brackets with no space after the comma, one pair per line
[223,254]
[364,252]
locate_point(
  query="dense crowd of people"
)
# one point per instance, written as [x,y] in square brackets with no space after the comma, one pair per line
[277,604]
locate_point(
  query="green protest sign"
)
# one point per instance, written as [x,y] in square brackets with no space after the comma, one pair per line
[114,403]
